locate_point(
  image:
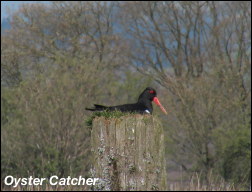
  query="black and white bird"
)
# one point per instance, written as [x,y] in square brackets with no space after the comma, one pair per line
[142,106]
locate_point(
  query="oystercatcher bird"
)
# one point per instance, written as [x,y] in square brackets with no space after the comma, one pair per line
[143,105]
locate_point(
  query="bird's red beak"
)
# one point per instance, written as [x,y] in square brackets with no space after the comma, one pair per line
[155,99]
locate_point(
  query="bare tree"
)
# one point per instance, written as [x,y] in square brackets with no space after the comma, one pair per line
[200,53]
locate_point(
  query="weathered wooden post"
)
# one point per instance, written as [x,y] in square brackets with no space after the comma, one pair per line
[128,153]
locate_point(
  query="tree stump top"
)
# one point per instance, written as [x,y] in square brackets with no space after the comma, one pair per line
[128,153]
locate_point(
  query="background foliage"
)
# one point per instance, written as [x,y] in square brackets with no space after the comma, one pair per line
[58,59]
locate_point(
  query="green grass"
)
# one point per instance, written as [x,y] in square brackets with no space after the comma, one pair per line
[107,115]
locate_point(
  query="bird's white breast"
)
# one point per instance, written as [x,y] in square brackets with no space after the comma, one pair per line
[147,111]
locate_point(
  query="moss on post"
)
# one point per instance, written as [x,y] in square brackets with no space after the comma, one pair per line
[128,153]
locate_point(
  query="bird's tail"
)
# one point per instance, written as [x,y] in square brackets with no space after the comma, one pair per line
[97,108]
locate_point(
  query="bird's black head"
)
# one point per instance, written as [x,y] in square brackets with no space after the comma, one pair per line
[149,95]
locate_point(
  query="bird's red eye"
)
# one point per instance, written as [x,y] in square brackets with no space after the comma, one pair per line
[151,91]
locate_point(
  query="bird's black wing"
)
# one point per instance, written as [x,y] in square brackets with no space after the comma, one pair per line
[97,108]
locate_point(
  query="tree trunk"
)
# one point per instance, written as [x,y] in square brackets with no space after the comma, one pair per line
[128,153]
